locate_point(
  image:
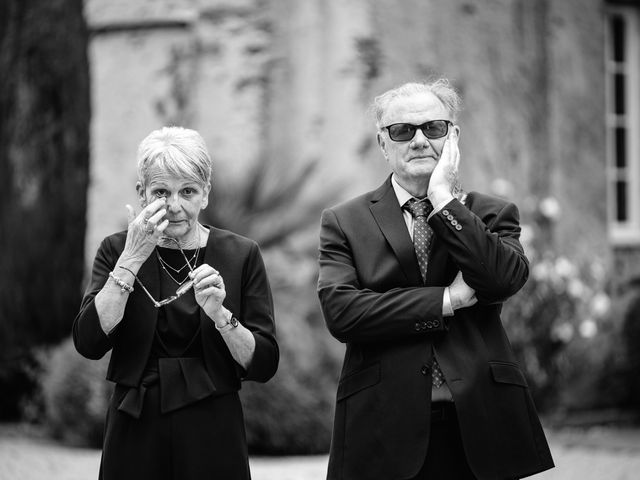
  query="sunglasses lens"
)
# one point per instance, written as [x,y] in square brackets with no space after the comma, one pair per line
[435,129]
[401,132]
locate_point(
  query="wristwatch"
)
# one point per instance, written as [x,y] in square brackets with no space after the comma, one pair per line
[232,323]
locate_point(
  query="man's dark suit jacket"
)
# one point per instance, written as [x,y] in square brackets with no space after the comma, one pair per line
[374,300]
[248,297]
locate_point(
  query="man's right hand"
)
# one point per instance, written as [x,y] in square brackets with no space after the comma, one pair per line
[461,294]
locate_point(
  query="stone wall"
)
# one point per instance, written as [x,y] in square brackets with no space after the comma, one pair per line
[288,82]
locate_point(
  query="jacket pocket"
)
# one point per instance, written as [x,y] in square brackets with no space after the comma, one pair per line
[358,381]
[507,373]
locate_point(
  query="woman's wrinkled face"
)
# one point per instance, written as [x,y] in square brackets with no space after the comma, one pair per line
[185,199]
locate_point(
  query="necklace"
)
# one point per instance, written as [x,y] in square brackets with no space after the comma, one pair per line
[164,264]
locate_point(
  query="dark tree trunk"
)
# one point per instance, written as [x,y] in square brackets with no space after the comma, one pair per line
[44,160]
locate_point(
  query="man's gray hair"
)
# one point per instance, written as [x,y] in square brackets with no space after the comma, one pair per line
[440,87]
[179,151]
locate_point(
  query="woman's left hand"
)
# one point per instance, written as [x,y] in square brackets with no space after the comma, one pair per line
[209,289]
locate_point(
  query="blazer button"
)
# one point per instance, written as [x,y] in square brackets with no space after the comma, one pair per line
[417,327]
[429,324]
[458,227]
[436,323]
[425,370]
[445,212]
[454,222]
[449,217]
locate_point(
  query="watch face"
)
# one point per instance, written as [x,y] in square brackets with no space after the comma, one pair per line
[233,322]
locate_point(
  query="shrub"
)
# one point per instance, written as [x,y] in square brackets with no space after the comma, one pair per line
[75,395]
[293,412]
[561,307]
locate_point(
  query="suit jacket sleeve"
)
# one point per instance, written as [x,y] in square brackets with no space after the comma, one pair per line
[355,312]
[88,337]
[483,241]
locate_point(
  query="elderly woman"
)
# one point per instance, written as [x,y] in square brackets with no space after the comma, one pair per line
[187,311]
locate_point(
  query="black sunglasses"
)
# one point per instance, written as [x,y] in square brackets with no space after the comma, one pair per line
[403,132]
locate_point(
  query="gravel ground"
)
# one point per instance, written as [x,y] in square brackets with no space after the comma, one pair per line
[594,454]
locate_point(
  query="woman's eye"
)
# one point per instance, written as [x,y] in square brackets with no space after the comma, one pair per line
[188,191]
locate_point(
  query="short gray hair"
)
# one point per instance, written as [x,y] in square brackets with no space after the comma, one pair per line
[177,150]
[441,88]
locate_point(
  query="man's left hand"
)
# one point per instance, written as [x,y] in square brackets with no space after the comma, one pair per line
[445,174]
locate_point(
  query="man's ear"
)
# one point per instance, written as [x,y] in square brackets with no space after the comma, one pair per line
[141,196]
[456,129]
[382,144]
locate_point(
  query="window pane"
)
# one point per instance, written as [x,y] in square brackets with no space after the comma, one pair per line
[617,30]
[619,93]
[621,148]
[621,201]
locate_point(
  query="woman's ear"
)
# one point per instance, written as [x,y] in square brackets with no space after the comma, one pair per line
[205,201]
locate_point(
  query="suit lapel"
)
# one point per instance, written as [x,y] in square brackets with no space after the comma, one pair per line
[388,215]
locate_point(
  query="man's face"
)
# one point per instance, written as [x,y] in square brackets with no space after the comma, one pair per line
[413,160]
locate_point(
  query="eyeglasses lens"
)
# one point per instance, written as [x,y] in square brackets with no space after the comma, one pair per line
[403,132]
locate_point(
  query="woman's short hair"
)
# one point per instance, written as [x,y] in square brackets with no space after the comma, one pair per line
[440,87]
[179,151]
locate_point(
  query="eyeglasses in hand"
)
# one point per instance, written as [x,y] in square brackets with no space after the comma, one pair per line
[181,291]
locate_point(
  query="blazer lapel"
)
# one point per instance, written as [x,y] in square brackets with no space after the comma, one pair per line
[388,215]
[209,259]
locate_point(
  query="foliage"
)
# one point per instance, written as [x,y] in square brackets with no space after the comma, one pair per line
[292,413]
[561,324]
[74,395]
[561,307]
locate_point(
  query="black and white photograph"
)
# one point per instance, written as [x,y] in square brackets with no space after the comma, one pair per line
[320,239]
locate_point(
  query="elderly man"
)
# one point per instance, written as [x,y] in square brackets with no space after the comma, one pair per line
[412,278]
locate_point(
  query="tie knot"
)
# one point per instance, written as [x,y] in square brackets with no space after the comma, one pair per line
[418,208]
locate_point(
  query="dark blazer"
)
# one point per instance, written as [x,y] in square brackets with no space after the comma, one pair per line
[248,297]
[374,300]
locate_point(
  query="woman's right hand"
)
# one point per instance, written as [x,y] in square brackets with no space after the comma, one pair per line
[144,230]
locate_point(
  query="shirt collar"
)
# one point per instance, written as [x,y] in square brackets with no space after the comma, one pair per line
[401,194]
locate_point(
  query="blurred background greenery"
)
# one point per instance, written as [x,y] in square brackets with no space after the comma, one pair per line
[280,90]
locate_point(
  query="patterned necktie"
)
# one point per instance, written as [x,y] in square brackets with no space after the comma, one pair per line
[422,233]
[422,236]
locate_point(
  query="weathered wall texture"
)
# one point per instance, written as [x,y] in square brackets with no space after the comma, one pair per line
[288,82]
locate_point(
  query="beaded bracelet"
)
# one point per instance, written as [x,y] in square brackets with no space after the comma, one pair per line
[124,287]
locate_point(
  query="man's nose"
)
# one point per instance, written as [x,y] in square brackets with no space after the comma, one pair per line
[419,140]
